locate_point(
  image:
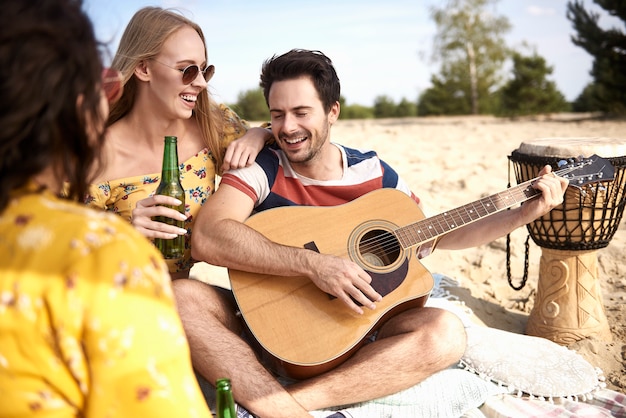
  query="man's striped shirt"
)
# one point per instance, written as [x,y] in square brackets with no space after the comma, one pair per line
[271,181]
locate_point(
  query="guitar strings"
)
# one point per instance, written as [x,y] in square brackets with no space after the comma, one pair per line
[389,241]
[428,229]
[445,221]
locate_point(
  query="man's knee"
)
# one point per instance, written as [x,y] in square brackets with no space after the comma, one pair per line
[197,300]
[450,333]
[188,291]
[193,295]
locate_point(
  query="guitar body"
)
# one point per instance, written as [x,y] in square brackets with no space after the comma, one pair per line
[305,331]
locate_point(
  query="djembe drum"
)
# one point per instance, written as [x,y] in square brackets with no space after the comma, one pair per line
[568,304]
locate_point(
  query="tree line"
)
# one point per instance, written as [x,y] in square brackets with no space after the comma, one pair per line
[469,45]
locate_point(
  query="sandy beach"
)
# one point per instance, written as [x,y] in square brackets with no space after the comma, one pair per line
[452,161]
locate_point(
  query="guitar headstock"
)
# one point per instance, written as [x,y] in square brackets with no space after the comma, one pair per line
[582,171]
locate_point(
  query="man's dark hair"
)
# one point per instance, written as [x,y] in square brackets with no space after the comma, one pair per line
[300,63]
[49,57]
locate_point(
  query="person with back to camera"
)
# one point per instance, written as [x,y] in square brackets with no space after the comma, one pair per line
[88,325]
[163,60]
[305,168]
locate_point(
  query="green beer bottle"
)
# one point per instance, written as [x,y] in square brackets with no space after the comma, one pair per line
[170,186]
[225,404]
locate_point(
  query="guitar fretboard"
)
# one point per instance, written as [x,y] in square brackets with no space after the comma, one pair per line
[430,228]
[427,229]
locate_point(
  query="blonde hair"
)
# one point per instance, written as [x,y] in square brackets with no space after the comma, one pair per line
[142,40]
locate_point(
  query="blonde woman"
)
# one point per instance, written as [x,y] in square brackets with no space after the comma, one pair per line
[163,59]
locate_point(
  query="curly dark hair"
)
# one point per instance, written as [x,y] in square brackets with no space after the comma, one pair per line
[50,77]
[301,62]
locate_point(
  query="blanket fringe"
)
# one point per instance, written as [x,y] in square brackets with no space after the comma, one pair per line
[512,390]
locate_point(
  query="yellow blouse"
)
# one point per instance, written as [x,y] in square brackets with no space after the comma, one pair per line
[198,176]
[88,326]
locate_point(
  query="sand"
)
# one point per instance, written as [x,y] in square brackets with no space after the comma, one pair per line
[452,161]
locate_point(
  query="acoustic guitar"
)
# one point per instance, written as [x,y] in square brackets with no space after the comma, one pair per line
[304,331]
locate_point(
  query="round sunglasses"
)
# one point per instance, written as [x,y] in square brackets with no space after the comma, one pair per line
[190,72]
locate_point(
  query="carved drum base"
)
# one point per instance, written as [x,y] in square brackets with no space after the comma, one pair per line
[568,305]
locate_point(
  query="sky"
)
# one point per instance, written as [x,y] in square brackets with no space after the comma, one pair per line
[377,47]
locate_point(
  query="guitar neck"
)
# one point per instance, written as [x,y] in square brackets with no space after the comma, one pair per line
[430,228]
[427,229]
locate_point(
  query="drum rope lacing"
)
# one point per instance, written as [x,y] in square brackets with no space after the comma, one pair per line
[509,277]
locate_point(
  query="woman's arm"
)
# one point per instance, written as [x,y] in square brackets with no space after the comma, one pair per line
[243,151]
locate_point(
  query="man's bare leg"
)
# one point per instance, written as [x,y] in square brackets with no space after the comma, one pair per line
[217,351]
[409,348]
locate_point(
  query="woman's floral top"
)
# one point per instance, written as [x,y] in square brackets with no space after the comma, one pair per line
[88,325]
[198,175]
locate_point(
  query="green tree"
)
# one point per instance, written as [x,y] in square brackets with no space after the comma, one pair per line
[588,100]
[384,107]
[529,91]
[608,48]
[470,44]
[406,108]
[447,96]
[251,105]
[354,111]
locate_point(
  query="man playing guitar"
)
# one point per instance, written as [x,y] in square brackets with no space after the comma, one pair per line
[305,168]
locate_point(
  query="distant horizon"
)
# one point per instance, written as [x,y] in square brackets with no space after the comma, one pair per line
[377,48]
[536,117]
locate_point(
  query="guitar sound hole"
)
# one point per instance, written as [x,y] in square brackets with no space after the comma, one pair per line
[379,248]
